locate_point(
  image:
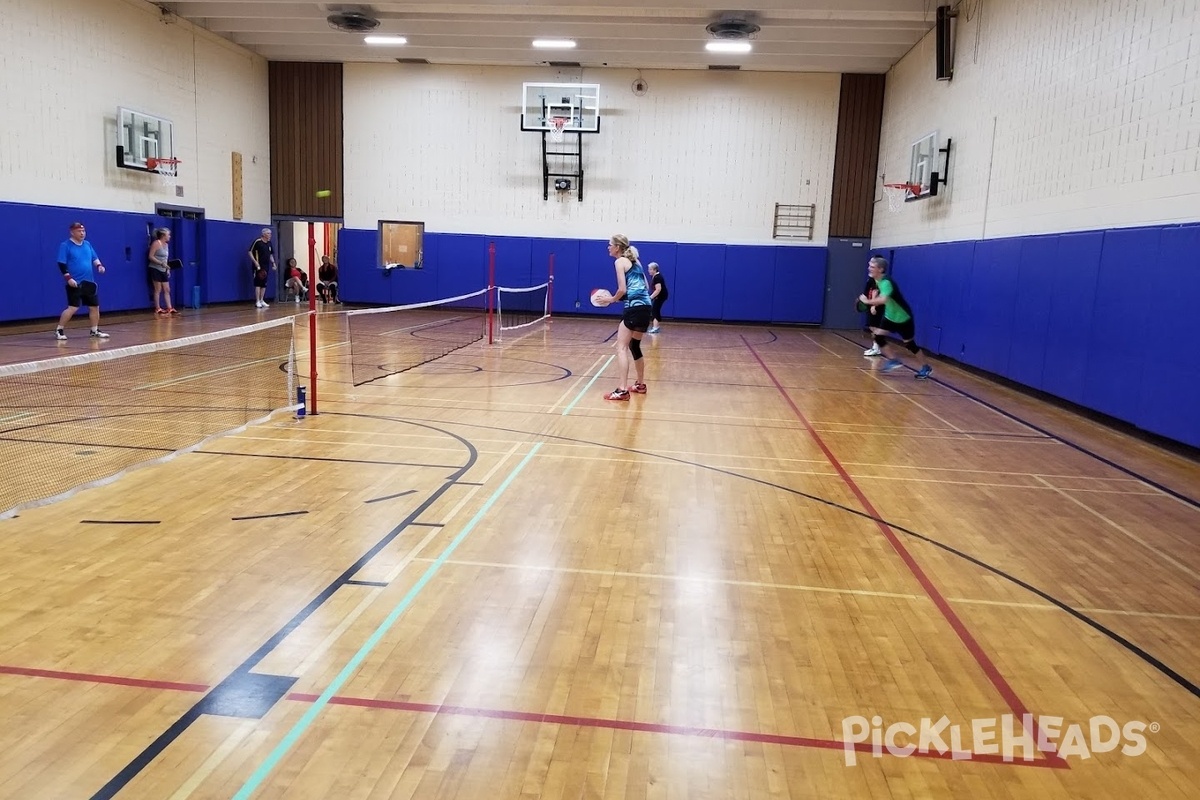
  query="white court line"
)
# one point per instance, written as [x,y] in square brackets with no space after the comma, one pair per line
[208,372]
[423,325]
[594,366]
[795,587]
[875,374]
[584,390]
[232,742]
[823,347]
[1125,531]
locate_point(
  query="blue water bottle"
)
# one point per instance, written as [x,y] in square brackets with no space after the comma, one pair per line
[195,297]
[301,402]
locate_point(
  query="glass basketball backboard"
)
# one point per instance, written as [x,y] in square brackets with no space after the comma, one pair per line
[923,163]
[576,103]
[142,136]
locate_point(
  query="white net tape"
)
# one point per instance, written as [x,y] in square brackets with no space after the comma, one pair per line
[557,124]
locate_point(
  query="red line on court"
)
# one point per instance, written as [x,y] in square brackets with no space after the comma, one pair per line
[674,730]
[548,719]
[116,680]
[973,647]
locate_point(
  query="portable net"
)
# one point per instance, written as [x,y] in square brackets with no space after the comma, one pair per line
[82,420]
[523,307]
[387,341]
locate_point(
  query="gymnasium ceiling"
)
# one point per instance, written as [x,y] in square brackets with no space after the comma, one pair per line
[796,35]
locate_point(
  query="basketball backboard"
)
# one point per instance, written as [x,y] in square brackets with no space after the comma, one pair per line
[141,136]
[923,164]
[576,103]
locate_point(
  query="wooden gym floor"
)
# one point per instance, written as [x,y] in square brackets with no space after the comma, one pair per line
[479,579]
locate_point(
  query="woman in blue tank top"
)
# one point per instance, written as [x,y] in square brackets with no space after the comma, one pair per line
[633,289]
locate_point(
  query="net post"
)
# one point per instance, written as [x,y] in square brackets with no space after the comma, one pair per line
[550,289]
[312,320]
[491,294]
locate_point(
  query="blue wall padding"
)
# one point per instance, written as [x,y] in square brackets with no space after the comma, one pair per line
[1170,378]
[1072,290]
[988,304]
[462,265]
[698,292]
[566,271]
[1037,263]
[361,278]
[1116,332]
[749,283]
[798,289]
[227,265]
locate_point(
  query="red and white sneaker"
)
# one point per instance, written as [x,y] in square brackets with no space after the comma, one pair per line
[617,394]
[639,388]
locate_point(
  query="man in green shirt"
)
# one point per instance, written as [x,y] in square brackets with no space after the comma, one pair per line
[896,318]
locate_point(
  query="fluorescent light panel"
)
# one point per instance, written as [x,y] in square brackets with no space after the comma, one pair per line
[727,47]
[554,44]
[385,40]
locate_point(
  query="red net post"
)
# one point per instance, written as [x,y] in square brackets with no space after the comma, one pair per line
[491,293]
[312,319]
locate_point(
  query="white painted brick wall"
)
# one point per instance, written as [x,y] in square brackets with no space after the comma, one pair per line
[702,157]
[68,64]
[1065,115]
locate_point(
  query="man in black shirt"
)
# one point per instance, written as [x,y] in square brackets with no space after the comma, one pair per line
[263,256]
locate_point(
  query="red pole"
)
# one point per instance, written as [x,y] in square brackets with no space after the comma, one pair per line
[550,289]
[491,290]
[312,318]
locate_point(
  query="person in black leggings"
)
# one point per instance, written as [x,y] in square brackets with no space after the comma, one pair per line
[658,296]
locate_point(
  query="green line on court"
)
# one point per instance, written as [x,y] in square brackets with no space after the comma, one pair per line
[583,391]
[288,741]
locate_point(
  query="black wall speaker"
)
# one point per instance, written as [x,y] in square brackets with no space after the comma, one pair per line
[945,43]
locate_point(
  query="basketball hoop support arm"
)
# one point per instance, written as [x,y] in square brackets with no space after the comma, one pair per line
[940,178]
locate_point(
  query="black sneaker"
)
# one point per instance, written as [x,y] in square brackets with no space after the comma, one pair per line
[60,334]
[97,334]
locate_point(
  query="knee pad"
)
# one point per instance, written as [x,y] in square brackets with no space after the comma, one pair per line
[635,347]
[911,344]
[880,341]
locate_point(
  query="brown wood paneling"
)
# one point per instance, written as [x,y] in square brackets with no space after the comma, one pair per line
[306,139]
[856,159]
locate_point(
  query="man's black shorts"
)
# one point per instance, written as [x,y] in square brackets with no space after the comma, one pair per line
[83,293]
[905,330]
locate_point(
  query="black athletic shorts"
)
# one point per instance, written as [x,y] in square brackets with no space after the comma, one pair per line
[637,318]
[905,330]
[157,275]
[83,293]
[260,278]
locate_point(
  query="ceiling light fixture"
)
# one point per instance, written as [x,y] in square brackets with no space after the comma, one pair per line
[385,40]
[554,44]
[728,47]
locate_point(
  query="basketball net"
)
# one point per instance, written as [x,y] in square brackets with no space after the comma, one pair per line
[167,168]
[896,193]
[557,124]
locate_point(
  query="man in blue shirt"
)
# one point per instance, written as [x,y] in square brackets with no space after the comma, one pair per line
[76,259]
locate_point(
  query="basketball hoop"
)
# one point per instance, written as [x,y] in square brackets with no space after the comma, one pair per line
[168,168]
[557,124]
[897,193]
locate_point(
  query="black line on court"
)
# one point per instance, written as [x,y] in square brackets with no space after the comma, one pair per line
[391,496]
[1051,435]
[378,584]
[1113,635]
[120,522]
[242,675]
[269,516]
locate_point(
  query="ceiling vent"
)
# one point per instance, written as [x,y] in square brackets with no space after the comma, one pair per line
[734,25]
[352,21]
[413,60]
[568,64]
[724,67]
